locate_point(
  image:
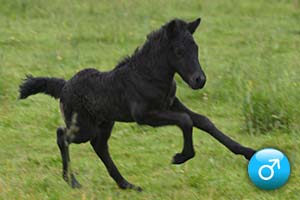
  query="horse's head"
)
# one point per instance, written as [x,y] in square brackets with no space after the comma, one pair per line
[183,52]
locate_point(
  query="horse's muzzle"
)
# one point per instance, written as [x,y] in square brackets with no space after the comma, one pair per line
[197,81]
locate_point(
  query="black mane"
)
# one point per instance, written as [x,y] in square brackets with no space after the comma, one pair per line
[123,62]
[155,40]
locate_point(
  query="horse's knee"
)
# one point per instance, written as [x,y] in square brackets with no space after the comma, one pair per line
[186,122]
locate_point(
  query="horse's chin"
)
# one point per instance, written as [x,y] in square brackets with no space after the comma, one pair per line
[196,86]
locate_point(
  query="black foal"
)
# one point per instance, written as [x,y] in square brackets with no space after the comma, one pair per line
[141,89]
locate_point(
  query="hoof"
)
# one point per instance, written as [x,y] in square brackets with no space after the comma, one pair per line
[126,185]
[180,158]
[73,182]
[249,153]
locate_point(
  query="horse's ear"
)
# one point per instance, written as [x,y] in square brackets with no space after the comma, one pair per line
[171,29]
[192,26]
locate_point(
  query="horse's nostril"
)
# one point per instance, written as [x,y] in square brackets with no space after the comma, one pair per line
[198,79]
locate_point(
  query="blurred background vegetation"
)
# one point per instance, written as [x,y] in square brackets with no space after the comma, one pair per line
[248,49]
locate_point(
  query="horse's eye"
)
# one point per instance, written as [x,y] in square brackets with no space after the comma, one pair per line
[179,52]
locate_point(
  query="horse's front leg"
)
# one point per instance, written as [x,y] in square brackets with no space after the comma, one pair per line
[206,125]
[163,118]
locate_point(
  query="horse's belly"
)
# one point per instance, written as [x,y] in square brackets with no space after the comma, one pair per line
[113,109]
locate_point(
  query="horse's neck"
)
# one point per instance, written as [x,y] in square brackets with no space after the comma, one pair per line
[154,67]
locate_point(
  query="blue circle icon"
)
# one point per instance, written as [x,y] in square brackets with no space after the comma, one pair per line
[269,169]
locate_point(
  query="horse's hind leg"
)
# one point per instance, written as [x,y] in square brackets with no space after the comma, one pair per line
[100,146]
[63,145]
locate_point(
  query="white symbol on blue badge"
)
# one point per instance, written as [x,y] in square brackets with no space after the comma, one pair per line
[269,169]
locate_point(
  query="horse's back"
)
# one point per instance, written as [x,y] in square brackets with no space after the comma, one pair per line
[98,96]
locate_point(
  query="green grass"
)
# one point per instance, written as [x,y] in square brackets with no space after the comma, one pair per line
[249,51]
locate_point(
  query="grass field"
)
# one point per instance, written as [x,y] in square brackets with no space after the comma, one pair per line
[250,51]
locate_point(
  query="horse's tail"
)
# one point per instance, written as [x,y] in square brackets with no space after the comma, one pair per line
[33,85]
